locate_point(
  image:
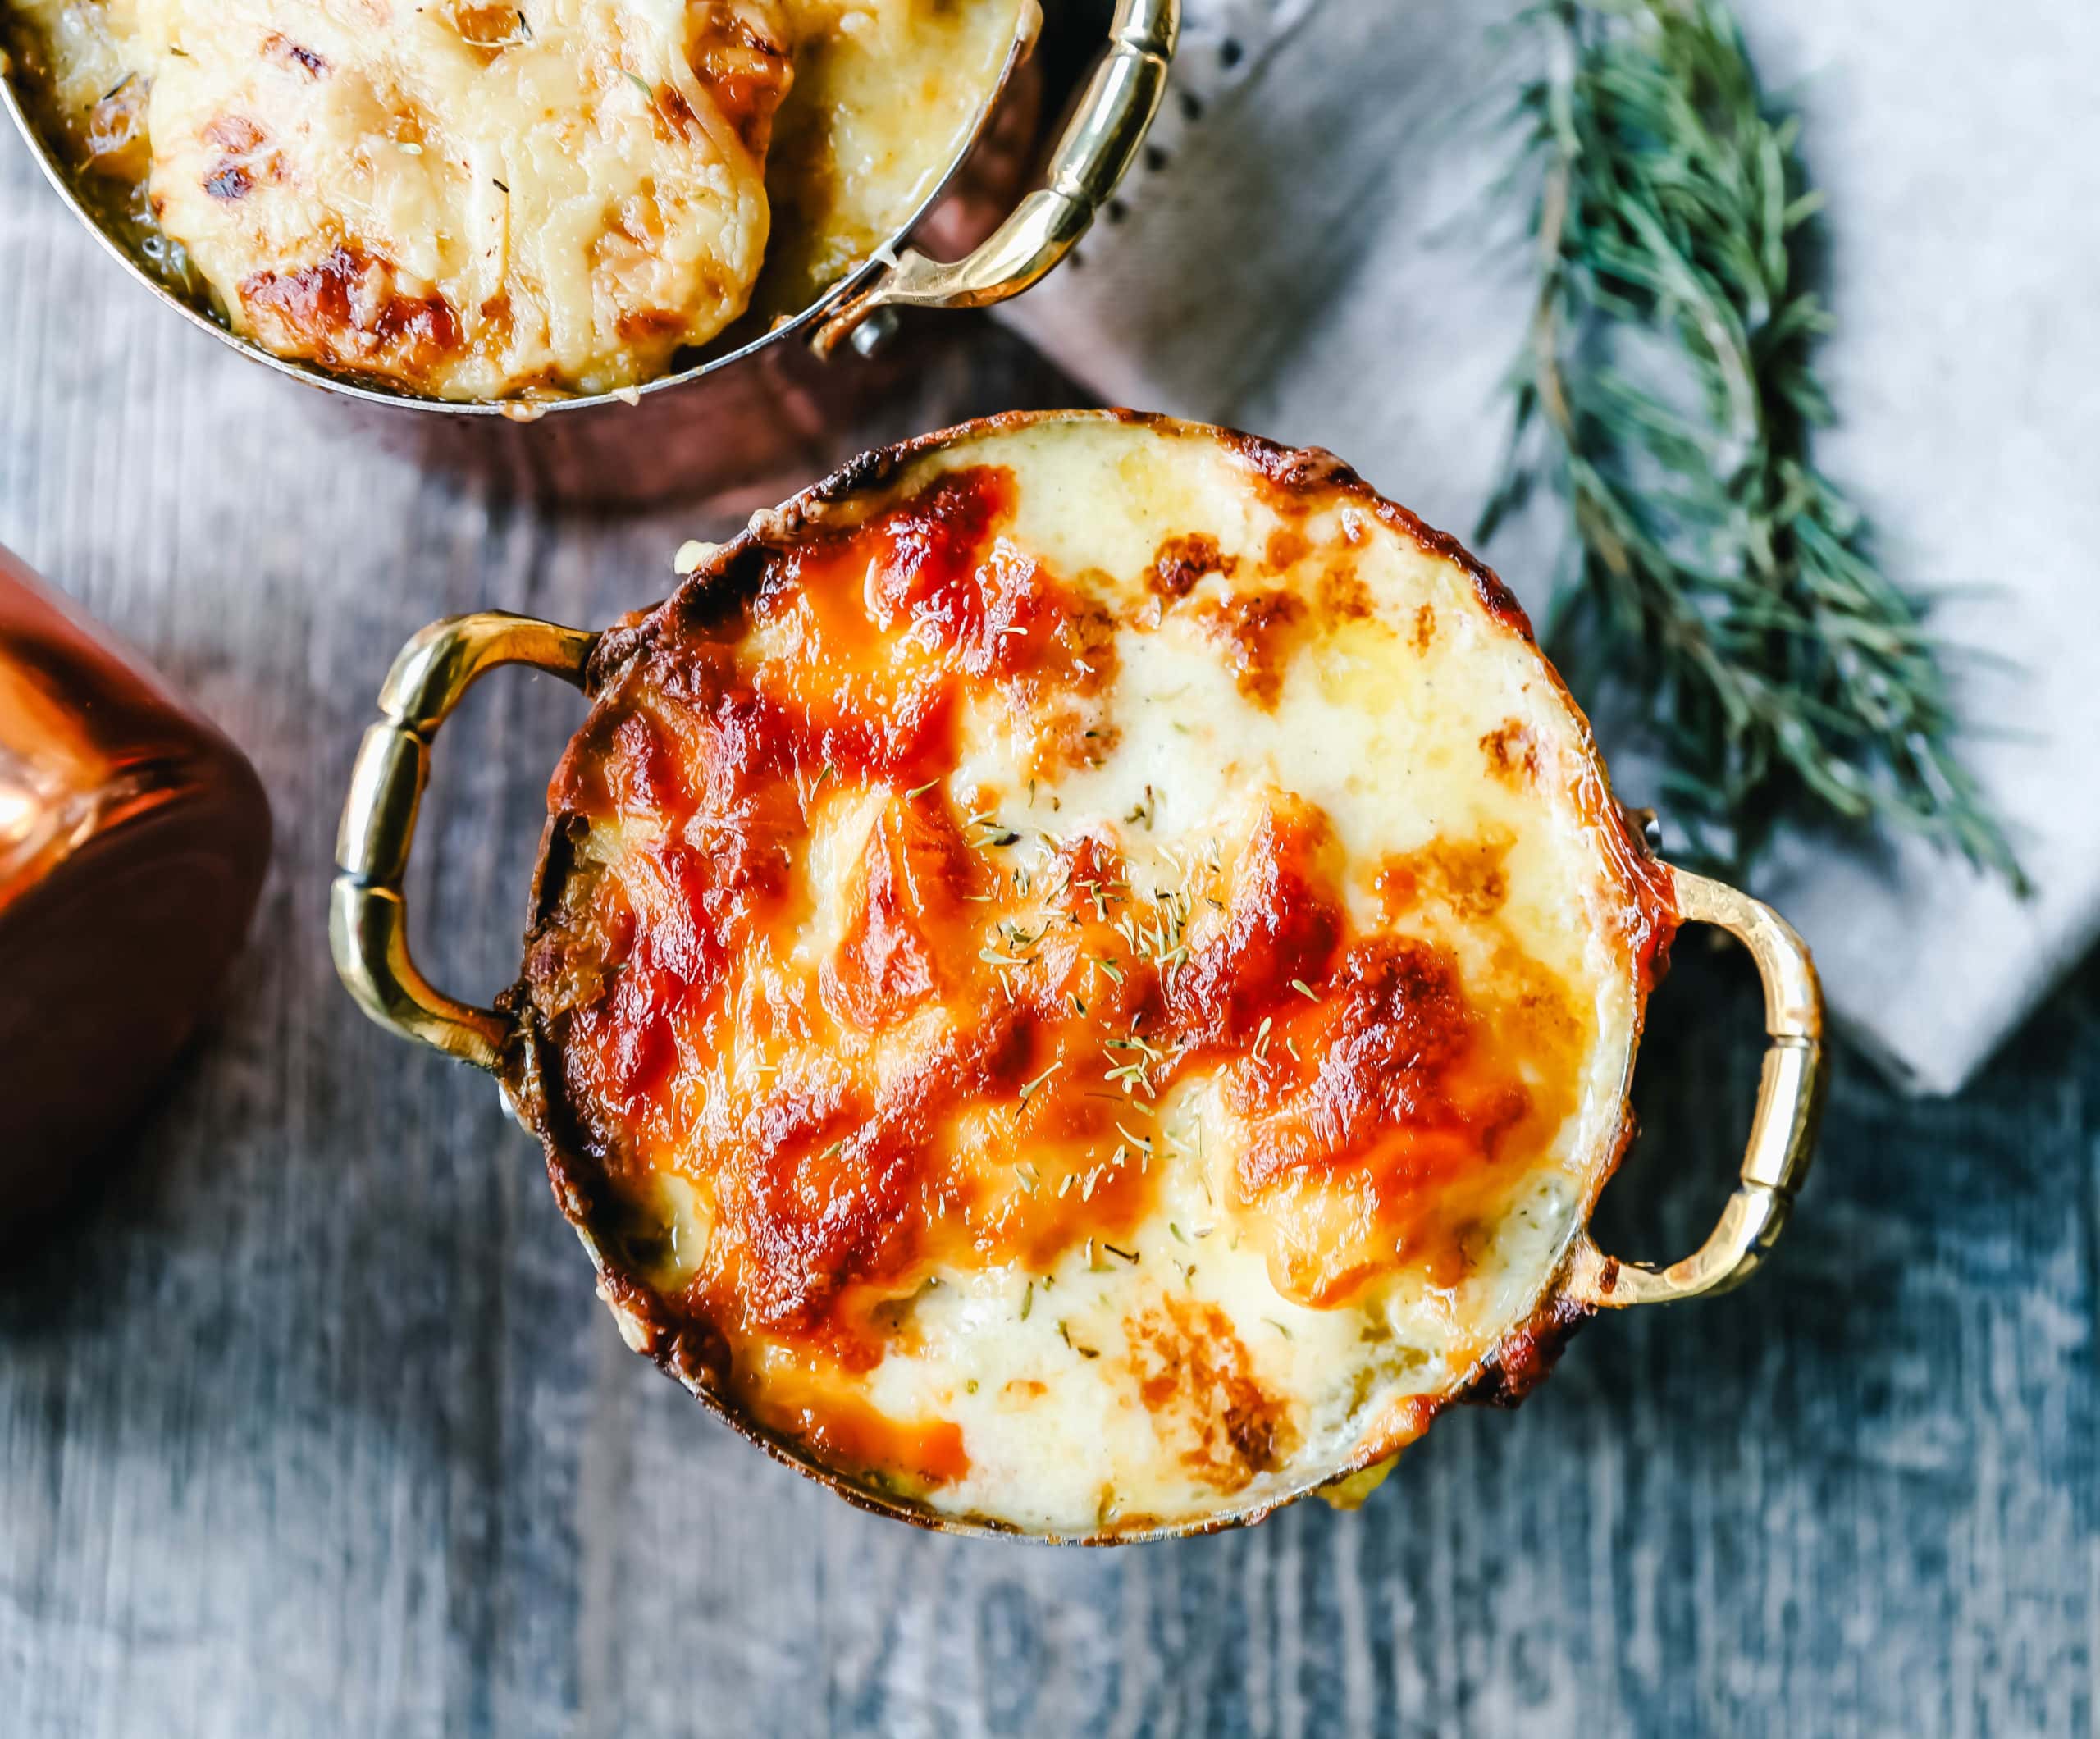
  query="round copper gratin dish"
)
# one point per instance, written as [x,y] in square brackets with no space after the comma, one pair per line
[1082,980]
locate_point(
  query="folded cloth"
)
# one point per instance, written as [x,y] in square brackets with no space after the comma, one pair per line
[1311,250]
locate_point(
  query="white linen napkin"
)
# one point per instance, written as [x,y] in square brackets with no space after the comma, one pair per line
[1309,251]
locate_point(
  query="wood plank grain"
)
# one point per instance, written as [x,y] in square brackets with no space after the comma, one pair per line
[309,1423]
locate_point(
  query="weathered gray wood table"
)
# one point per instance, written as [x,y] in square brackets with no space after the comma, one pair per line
[309,1423]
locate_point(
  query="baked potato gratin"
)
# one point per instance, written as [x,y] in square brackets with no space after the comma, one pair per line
[1084,977]
[479,201]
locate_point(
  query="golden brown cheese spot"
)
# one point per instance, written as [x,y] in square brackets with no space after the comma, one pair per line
[1060,698]
[1344,597]
[1283,923]
[1184,560]
[281,49]
[1255,630]
[1376,1116]
[674,113]
[348,309]
[1368,1057]
[1287,546]
[894,620]
[1424,627]
[490,30]
[1469,878]
[1197,1382]
[648,324]
[912,874]
[740,59]
[820,1191]
[1511,754]
[239,139]
[844,1432]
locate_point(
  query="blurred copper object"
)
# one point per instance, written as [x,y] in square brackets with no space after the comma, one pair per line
[133,840]
[771,400]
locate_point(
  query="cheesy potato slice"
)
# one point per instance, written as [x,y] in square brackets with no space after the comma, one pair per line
[1085,977]
[468,200]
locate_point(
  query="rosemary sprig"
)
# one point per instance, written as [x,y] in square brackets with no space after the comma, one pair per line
[1727,594]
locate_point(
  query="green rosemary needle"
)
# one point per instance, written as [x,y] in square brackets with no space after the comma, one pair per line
[1726,601]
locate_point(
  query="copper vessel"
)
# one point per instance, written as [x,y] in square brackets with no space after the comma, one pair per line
[133,840]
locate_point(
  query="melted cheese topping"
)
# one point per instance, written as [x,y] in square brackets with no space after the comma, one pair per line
[1105,980]
[479,201]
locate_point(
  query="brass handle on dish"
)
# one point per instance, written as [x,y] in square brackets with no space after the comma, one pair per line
[368,919]
[1782,1131]
[1097,149]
